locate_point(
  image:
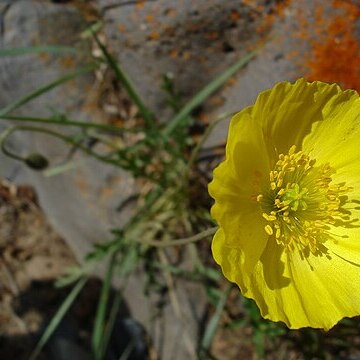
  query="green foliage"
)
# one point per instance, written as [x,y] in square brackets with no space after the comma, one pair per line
[213,323]
[48,49]
[44,89]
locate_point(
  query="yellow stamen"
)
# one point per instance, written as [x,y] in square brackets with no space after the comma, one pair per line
[301,202]
[269,230]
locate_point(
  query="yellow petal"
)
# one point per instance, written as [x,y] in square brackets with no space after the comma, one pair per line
[287,112]
[334,138]
[304,291]
[241,230]
[345,243]
[229,258]
[236,209]
[300,265]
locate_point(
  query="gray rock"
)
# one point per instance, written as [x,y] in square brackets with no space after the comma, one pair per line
[80,202]
[194,41]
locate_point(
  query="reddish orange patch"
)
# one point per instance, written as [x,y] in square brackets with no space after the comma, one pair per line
[335,55]
[212,35]
[140,4]
[186,55]
[154,35]
[121,28]
[67,62]
[149,18]
[234,15]
[174,54]
[44,56]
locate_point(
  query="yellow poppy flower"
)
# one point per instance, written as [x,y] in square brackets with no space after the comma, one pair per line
[287,202]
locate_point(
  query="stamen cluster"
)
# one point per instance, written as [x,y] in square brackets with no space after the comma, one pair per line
[301,203]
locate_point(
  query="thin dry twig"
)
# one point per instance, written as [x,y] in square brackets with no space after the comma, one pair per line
[176,305]
[179,242]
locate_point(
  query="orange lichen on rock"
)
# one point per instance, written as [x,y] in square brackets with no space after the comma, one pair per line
[140,4]
[235,15]
[186,55]
[43,56]
[67,62]
[212,35]
[149,18]
[335,54]
[154,35]
[174,53]
[121,28]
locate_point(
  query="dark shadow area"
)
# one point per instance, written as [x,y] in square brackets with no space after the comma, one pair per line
[72,339]
[341,342]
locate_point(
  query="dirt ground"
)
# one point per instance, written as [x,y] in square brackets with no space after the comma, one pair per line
[32,255]
[32,258]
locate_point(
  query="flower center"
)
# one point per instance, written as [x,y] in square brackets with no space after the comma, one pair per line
[301,202]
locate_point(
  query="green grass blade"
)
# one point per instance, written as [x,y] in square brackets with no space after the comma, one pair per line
[49,49]
[66,122]
[43,89]
[67,139]
[209,89]
[195,152]
[213,323]
[127,352]
[57,318]
[60,169]
[99,324]
[71,275]
[91,30]
[111,322]
[127,265]
[147,115]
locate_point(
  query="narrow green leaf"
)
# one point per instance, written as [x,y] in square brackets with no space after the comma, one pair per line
[117,303]
[259,340]
[125,81]
[195,152]
[127,352]
[209,89]
[214,322]
[91,30]
[65,122]
[67,139]
[111,322]
[99,325]
[59,169]
[55,321]
[210,273]
[71,275]
[43,89]
[49,49]
[129,261]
